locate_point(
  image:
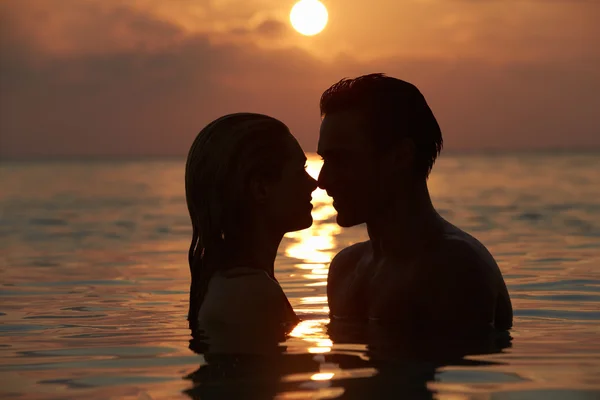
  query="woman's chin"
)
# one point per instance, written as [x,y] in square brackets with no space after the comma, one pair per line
[304,223]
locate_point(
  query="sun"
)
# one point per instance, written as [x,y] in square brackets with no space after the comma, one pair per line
[309,17]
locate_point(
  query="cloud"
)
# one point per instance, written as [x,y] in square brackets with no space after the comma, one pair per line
[272,28]
[269,28]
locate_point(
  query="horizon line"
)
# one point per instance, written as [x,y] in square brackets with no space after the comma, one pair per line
[141,157]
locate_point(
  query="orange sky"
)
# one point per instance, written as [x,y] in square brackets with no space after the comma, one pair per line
[136,77]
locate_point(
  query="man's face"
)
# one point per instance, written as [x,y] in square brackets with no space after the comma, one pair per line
[350,172]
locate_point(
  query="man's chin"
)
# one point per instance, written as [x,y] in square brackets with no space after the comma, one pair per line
[347,221]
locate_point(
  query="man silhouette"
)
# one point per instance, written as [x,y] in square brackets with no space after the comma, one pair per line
[379,140]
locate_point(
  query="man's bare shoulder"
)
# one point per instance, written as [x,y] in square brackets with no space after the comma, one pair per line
[460,265]
[468,282]
[349,257]
[462,250]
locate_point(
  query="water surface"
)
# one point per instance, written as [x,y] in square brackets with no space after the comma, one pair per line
[94,284]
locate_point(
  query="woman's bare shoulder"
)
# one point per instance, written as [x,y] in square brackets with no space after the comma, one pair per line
[244,295]
[245,280]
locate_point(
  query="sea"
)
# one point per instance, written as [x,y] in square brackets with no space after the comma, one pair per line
[94,288]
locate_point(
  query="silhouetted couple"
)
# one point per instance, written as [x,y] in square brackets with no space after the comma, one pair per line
[246,186]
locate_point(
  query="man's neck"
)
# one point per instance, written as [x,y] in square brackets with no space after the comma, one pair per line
[405,226]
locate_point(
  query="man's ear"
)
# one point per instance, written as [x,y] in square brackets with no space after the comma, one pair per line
[259,190]
[401,157]
[404,155]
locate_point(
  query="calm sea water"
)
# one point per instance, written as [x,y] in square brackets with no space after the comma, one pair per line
[94,284]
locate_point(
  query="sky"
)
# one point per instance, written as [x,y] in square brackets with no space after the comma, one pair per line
[142,77]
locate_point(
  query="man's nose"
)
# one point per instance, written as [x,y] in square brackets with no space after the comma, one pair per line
[320,183]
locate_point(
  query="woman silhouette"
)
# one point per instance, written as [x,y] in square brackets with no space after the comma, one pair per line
[246,186]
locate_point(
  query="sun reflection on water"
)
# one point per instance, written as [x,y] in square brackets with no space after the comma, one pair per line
[314,245]
[322,376]
[314,248]
[313,332]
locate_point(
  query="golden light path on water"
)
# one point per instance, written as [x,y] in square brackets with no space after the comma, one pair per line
[313,247]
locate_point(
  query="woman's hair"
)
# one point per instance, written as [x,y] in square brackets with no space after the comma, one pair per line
[222,161]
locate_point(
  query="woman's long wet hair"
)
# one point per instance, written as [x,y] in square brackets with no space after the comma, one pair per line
[225,156]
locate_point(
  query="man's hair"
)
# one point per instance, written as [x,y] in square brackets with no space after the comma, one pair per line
[393,109]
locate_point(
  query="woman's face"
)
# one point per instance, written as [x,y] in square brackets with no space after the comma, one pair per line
[288,202]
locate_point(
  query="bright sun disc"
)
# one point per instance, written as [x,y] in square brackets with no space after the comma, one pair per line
[309,17]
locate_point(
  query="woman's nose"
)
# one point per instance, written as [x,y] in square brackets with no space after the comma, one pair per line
[322,177]
[313,183]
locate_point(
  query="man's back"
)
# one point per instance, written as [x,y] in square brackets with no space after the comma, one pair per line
[453,283]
